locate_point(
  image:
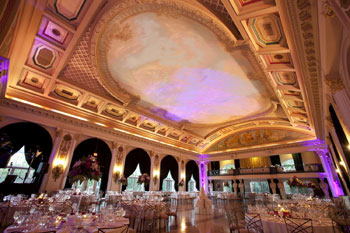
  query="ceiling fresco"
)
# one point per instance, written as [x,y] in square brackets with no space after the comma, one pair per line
[256,137]
[201,75]
[177,65]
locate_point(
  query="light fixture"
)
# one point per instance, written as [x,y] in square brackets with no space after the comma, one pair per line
[338,170]
[342,163]
[349,146]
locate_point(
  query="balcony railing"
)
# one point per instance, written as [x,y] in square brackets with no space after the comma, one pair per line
[264,170]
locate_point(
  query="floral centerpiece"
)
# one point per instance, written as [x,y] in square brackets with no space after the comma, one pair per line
[181,183]
[86,168]
[295,182]
[226,184]
[144,178]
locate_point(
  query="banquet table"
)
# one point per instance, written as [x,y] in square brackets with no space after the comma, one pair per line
[88,226]
[273,225]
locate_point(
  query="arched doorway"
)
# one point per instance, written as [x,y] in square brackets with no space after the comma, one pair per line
[24,154]
[192,173]
[137,162]
[169,169]
[104,155]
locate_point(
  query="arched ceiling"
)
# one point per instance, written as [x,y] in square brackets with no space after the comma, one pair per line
[192,74]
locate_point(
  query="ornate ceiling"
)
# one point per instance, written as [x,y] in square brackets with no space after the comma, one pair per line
[207,76]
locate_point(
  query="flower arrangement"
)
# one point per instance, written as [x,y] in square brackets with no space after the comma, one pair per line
[226,184]
[123,180]
[181,183]
[295,182]
[144,178]
[86,168]
[57,171]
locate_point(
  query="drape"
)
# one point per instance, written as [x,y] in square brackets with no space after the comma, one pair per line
[255,162]
[275,160]
[192,168]
[298,162]
[135,157]
[104,156]
[167,164]
[29,135]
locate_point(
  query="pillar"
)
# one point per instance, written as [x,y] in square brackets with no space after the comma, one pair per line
[53,155]
[203,175]
[114,172]
[281,188]
[182,174]
[155,171]
[69,159]
[330,172]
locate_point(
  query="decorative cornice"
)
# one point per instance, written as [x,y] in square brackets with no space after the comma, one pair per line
[14,105]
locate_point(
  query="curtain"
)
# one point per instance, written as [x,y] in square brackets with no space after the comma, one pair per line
[167,164]
[192,169]
[137,156]
[298,162]
[255,162]
[275,160]
[237,163]
[32,136]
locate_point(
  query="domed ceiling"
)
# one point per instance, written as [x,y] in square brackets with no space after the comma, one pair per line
[177,68]
[201,75]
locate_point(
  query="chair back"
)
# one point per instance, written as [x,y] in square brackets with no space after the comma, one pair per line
[253,223]
[299,225]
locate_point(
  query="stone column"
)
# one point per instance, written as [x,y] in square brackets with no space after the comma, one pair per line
[54,154]
[70,147]
[273,186]
[155,172]
[330,172]
[241,188]
[324,186]
[112,167]
[281,188]
[234,185]
[203,175]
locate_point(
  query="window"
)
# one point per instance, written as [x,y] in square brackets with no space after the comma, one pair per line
[259,187]
[168,183]
[132,181]
[287,162]
[19,166]
[192,185]
[227,168]
[296,190]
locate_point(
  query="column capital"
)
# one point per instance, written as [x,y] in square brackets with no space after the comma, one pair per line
[335,83]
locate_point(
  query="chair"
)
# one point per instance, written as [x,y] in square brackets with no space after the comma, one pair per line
[172,210]
[299,225]
[234,223]
[253,223]
[121,229]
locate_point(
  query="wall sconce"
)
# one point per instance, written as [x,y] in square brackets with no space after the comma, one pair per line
[338,170]
[155,180]
[342,163]
[58,168]
[116,176]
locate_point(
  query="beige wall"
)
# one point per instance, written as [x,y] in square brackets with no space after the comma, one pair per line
[285,157]
[310,157]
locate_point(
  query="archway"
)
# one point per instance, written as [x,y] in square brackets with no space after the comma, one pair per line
[192,171]
[104,155]
[133,159]
[167,164]
[30,143]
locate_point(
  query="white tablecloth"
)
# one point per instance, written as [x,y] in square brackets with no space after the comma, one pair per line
[67,228]
[277,225]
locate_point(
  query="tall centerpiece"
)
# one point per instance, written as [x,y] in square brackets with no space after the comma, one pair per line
[144,179]
[85,169]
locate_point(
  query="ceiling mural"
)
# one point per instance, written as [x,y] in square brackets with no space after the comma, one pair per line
[199,75]
[177,66]
[256,137]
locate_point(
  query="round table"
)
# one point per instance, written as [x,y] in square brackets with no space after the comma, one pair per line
[274,225]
